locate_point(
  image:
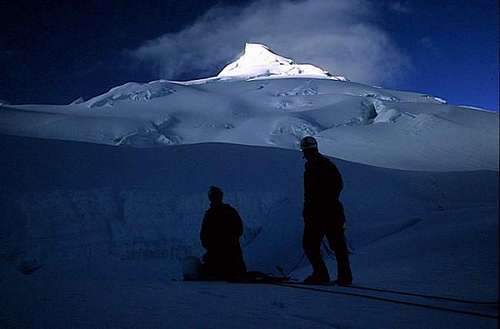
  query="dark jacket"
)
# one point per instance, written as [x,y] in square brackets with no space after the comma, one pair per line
[322,186]
[221,231]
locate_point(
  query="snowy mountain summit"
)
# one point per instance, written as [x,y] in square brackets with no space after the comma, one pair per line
[258,61]
[264,99]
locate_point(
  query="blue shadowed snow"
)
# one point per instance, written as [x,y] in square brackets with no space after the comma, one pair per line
[109,227]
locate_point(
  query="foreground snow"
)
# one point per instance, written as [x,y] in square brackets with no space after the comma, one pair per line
[52,302]
[109,227]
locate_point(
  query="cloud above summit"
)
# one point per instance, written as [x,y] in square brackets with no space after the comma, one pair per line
[340,36]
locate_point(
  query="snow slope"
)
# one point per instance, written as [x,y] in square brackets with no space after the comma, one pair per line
[265,99]
[109,227]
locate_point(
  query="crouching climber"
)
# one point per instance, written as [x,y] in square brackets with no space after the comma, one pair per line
[220,234]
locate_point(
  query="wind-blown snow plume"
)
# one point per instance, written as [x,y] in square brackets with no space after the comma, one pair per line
[336,35]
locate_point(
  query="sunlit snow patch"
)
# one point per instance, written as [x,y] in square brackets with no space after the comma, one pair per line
[157,133]
[132,91]
[381,97]
[79,100]
[289,131]
[292,104]
[384,113]
[307,89]
[258,61]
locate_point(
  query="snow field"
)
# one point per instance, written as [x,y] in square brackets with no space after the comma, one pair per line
[110,227]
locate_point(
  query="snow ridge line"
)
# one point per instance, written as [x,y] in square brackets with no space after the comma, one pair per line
[384,299]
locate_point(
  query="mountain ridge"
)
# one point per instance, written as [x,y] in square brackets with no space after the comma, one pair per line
[352,121]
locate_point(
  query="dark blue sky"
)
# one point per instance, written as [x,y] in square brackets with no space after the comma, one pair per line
[57,51]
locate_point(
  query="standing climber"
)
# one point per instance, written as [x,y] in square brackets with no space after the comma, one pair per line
[323,215]
[220,236]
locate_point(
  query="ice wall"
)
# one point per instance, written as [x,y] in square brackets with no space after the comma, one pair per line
[77,205]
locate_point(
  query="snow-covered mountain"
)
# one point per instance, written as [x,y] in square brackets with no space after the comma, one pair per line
[91,235]
[268,100]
